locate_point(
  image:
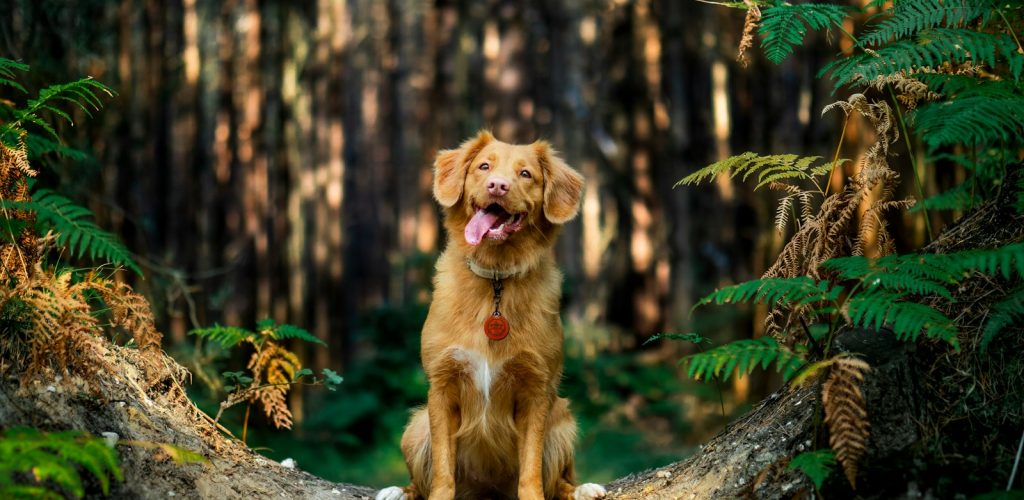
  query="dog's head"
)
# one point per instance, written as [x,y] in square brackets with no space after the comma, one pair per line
[503,199]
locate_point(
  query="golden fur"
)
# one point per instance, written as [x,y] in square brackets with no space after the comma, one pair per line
[494,426]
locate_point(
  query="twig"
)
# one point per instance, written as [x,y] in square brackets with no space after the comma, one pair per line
[1016,463]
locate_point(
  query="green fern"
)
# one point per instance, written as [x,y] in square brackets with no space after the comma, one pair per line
[74,229]
[53,461]
[1006,313]
[976,120]
[84,93]
[784,26]
[743,356]
[230,336]
[932,49]
[8,75]
[769,169]
[286,331]
[227,336]
[896,273]
[878,308]
[959,197]
[817,465]
[910,17]
[793,292]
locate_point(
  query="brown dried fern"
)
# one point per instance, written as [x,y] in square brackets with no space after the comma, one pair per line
[749,27]
[845,413]
[836,230]
[273,368]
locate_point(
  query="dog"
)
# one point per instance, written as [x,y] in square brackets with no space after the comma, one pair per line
[491,346]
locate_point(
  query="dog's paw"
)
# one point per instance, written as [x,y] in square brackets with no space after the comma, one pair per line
[392,493]
[589,491]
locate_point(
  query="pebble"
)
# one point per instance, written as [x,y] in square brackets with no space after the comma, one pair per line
[664,474]
[288,463]
[110,438]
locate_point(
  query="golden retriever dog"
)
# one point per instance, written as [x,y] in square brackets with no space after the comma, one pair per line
[494,426]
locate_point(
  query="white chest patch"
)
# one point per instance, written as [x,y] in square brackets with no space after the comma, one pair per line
[480,369]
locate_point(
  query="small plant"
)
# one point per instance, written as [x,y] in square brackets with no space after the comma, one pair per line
[48,464]
[272,369]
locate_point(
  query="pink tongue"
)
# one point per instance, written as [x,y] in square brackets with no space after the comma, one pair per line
[478,226]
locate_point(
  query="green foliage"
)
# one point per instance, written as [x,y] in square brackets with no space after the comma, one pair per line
[8,75]
[875,309]
[743,356]
[230,336]
[930,50]
[795,292]
[1007,312]
[974,120]
[83,93]
[286,331]
[817,465]
[694,338]
[910,17]
[784,26]
[769,169]
[74,228]
[51,463]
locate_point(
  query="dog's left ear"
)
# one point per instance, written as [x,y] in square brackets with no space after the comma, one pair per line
[562,185]
[450,168]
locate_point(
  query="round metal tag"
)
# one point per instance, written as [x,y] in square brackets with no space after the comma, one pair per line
[496,327]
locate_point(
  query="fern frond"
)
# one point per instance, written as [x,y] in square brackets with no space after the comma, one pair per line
[8,75]
[84,94]
[743,356]
[74,229]
[286,331]
[798,291]
[895,273]
[769,169]
[932,49]
[910,17]
[845,413]
[1007,312]
[54,459]
[817,465]
[877,308]
[976,120]
[277,367]
[959,197]
[784,26]
[228,336]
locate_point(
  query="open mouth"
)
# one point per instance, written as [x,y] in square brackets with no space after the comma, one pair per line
[492,222]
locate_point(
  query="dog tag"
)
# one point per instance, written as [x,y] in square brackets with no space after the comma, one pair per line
[496,327]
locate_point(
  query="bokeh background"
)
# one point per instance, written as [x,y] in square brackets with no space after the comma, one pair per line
[269,158]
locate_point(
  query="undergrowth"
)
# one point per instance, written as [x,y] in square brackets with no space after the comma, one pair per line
[947,76]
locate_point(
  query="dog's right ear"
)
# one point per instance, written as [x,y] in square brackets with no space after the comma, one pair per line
[450,168]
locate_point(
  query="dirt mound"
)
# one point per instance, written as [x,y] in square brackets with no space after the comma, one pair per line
[121,401]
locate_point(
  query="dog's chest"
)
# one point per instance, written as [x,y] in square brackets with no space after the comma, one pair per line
[478,369]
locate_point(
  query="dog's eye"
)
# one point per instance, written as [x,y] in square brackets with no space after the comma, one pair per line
[485,166]
[525,174]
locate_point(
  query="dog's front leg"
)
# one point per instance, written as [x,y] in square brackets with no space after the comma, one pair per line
[444,421]
[532,412]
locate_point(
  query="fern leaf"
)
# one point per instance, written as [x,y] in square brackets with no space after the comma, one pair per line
[75,230]
[931,49]
[799,291]
[228,336]
[975,120]
[910,17]
[1007,312]
[845,413]
[54,458]
[8,75]
[769,169]
[959,197]
[784,26]
[743,356]
[877,308]
[287,331]
[817,465]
